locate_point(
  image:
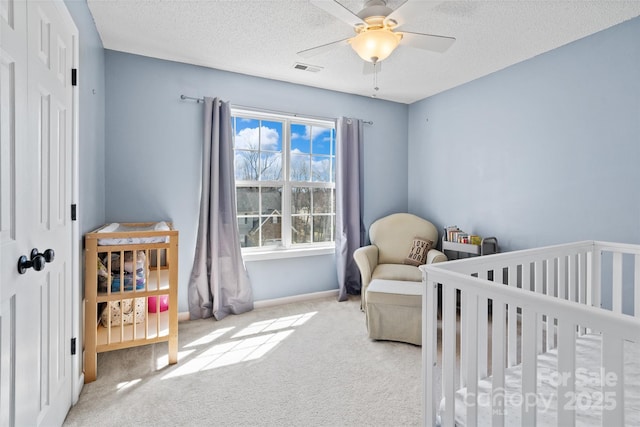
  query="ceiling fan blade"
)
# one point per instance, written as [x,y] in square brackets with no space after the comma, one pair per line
[339,11]
[427,41]
[308,53]
[408,10]
[370,67]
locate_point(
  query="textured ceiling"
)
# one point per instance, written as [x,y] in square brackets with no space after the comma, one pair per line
[262,38]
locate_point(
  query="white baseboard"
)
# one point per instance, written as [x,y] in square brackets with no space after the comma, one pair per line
[77,388]
[183,316]
[294,298]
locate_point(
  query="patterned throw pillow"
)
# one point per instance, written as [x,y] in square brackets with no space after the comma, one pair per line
[418,251]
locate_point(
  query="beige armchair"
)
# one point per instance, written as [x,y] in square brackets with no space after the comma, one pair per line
[391,238]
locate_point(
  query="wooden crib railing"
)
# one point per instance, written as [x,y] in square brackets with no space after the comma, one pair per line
[502,310]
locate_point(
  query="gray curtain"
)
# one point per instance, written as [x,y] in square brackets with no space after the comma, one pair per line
[219,283]
[349,189]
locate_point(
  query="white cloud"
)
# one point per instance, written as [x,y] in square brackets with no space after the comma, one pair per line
[248,138]
[321,170]
[318,132]
[295,135]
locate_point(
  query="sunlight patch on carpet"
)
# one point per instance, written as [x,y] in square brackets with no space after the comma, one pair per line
[126,384]
[163,361]
[255,341]
[209,337]
[275,324]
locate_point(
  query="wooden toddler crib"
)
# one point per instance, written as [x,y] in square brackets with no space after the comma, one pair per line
[526,339]
[131,289]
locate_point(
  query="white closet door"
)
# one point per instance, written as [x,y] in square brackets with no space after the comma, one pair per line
[36,129]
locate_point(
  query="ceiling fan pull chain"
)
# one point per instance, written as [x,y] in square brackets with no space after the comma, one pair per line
[375,76]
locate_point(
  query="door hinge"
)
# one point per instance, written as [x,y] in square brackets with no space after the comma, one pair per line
[74,212]
[73,346]
[74,77]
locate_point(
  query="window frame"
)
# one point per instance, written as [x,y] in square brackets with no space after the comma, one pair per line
[286,248]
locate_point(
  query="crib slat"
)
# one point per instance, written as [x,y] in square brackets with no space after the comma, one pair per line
[122,281]
[498,275]
[589,277]
[589,280]
[483,331]
[429,353]
[529,364]
[109,269]
[566,373]
[497,363]
[147,286]
[562,277]
[636,286]
[537,279]
[512,321]
[448,352]
[551,289]
[596,274]
[158,275]
[571,278]
[526,276]
[612,364]
[582,283]
[463,332]
[471,344]
[617,282]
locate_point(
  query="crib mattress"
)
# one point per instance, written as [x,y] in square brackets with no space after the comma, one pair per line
[124,228]
[588,400]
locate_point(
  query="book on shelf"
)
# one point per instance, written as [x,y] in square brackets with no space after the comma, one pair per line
[449,232]
[454,234]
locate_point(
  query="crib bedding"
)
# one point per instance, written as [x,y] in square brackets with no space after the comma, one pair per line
[127,228]
[588,397]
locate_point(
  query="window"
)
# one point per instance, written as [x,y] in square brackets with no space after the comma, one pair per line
[285,181]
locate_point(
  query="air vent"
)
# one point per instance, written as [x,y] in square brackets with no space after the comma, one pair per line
[307,67]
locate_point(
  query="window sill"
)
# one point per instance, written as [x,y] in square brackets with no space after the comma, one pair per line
[278,253]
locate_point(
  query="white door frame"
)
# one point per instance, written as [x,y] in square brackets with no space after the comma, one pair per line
[77,294]
[77,299]
[77,369]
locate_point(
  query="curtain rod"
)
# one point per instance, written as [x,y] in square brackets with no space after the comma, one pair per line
[198,100]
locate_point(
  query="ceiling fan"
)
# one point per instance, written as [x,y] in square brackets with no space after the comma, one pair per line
[374,25]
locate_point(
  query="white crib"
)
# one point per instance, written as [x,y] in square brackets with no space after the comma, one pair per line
[524,339]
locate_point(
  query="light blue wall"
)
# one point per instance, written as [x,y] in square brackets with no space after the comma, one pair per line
[543,152]
[153,154]
[91,139]
[546,151]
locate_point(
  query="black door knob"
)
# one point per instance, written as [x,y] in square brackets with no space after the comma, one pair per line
[49,255]
[37,261]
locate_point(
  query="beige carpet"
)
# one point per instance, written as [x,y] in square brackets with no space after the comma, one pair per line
[301,364]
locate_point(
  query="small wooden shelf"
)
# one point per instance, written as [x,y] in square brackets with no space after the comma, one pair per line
[488,246]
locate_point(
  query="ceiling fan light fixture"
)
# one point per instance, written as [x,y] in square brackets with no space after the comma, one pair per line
[375,45]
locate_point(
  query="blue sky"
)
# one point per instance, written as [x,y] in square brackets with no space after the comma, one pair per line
[321,140]
[304,138]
